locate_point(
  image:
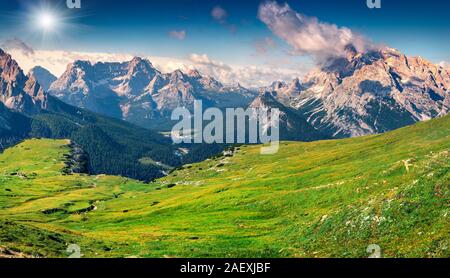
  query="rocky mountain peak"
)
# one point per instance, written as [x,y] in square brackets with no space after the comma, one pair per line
[74,78]
[17,91]
[202,82]
[193,73]
[264,100]
[284,91]
[137,60]
[140,73]
[210,83]
[35,90]
[350,52]
[42,76]
[277,85]
[156,83]
[9,69]
[373,92]
[176,76]
[295,84]
[80,64]
[388,52]
[140,64]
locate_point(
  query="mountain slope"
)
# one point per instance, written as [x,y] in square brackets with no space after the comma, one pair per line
[13,127]
[320,199]
[292,126]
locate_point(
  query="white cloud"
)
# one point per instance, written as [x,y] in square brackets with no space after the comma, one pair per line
[200,58]
[15,43]
[307,35]
[219,14]
[179,35]
[248,76]
[56,61]
[262,46]
[204,60]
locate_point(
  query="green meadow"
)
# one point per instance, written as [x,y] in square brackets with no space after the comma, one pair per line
[321,199]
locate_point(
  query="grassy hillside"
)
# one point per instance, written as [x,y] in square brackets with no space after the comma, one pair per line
[112,146]
[320,199]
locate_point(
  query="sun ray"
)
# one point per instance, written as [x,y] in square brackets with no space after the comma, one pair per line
[47,21]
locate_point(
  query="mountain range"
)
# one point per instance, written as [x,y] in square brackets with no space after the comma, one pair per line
[360,94]
[367,93]
[137,92]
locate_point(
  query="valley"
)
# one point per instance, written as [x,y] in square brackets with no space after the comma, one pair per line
[320,199]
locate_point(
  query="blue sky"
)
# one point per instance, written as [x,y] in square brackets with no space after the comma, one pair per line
[235,36]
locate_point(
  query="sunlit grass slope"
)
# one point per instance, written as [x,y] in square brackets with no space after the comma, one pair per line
[321,199]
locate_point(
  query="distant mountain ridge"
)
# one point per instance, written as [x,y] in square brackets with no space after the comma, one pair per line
[360,94]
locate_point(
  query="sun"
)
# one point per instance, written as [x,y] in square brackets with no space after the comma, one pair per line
[47,21]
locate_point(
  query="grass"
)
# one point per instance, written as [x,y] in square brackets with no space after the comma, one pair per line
[320,199]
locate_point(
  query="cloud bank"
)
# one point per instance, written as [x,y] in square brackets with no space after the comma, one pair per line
[307,35]
[248,76]
[56,62]
[179,35]
[15,43]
